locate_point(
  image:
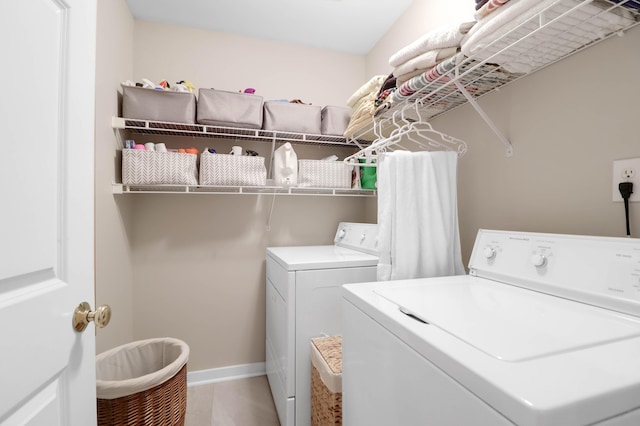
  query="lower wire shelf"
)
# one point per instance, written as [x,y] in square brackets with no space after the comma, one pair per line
[119,188]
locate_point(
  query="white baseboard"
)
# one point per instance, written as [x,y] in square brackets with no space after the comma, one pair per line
[222,374]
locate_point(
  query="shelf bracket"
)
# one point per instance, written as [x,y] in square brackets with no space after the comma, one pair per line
[485,117]
[116,188]
[117,122]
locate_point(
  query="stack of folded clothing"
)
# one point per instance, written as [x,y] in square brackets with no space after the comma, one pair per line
[363,104]
[485,7]
[428,51]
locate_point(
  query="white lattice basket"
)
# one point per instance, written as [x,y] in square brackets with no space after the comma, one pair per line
[324,174]
[235,170]
[158,168]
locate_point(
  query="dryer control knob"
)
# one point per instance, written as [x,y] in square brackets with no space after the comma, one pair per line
[489,252]
[342,234]
[538,260]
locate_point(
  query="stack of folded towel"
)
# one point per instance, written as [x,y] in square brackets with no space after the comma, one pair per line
[428,51]
[362,104]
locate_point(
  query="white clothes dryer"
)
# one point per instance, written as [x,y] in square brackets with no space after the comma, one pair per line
[545,330]
[303,301]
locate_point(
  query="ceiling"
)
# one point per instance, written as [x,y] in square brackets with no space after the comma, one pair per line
[352,26]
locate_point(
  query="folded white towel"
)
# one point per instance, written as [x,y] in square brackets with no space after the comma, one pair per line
[425,60]
[374,84]
[446,36]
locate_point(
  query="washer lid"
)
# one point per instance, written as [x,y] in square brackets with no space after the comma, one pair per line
[508,322]
[320,257]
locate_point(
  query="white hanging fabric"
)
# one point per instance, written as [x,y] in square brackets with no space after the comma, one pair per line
[418,215]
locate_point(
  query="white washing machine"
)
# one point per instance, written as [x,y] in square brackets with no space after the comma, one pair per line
[303,301]
[545,330]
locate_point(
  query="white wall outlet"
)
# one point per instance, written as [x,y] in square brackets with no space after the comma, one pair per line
[626,171]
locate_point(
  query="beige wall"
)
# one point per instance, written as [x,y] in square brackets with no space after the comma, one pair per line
[113,214]
[199,261]
[228,62]
[567,123]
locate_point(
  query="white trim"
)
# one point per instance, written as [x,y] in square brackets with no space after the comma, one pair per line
[222,374]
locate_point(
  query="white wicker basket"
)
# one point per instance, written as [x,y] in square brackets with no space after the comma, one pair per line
[158,168]
[324,174]
[224,169]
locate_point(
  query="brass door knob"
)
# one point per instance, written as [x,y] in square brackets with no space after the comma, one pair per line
[83,315]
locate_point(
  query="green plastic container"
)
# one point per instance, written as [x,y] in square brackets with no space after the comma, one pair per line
[368,176]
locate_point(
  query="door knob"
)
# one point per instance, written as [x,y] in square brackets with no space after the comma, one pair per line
[83,315]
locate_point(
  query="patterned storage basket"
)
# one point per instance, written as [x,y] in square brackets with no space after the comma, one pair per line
[235,170]
[158,168]
[326,381]
[324,174]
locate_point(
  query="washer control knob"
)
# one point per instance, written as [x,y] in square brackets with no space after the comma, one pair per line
[341,234]
[489,252]
[538,260]
[363,237]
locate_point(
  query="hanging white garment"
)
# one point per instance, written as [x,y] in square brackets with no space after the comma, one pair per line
[418,215]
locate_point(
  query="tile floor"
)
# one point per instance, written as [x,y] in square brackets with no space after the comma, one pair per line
[242,402]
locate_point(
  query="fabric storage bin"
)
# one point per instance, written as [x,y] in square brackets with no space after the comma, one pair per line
[229,109]
[334,120]
[143,382]
[235,170]
[324,174]
[158,168]
[326,381]
[291,117]
[158,105]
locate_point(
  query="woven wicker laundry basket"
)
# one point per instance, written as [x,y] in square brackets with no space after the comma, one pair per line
[326,381]
[143,383]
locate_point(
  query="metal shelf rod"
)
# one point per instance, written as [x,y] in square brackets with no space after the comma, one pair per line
[486,118]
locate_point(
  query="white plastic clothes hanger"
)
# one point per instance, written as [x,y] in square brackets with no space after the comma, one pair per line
[418,131]
[423,134]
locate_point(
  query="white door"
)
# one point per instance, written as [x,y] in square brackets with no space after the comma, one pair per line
[47,73]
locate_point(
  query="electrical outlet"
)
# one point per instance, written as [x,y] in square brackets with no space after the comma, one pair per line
[626,171]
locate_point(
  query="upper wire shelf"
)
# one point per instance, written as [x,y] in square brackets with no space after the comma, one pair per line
[555,31]
[207,131]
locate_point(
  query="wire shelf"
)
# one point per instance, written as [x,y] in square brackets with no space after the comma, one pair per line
[561,29]
[239,190]
[206,131]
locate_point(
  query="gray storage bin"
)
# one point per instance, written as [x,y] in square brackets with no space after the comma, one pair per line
[335,120]
[291,117]
[158,168]
[229,109]
[158,105]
